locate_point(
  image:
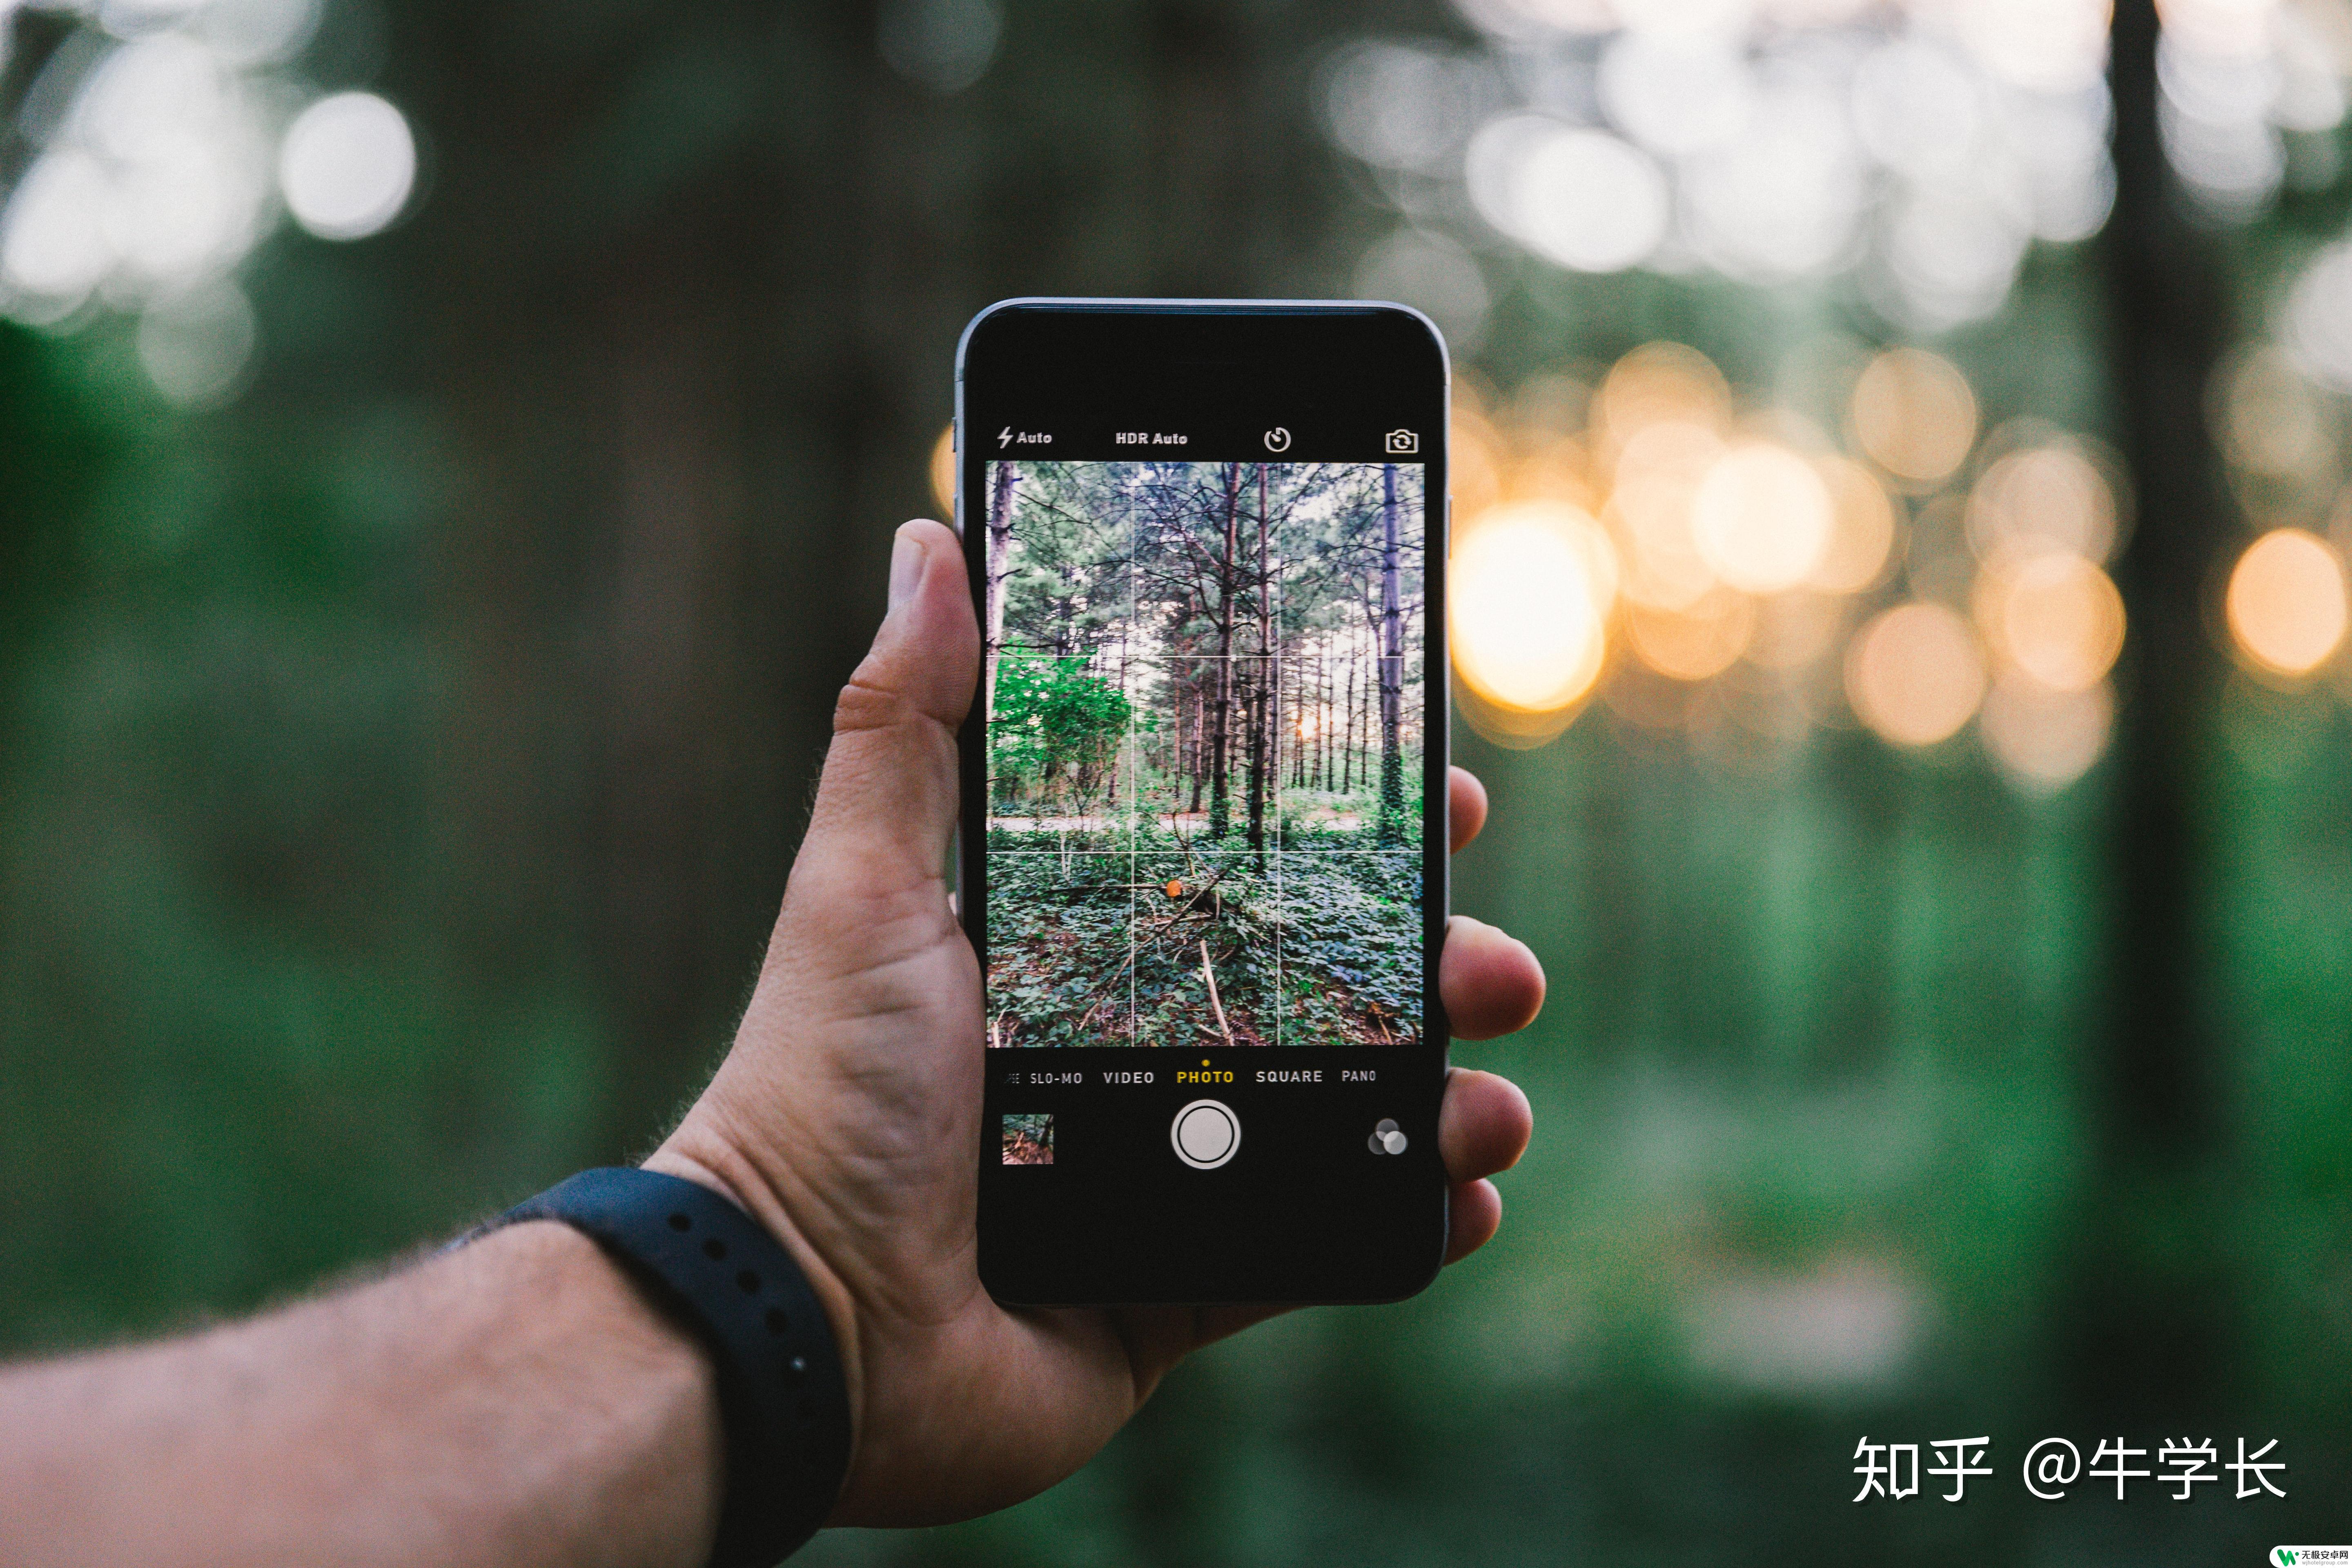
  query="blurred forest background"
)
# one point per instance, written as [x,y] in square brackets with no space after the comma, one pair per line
[448,455]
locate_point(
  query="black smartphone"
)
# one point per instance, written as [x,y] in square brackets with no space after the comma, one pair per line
[1203,840]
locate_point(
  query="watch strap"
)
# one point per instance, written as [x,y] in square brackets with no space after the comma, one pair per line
[721,1276]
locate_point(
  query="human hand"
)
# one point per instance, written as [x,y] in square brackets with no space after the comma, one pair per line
[847,1116]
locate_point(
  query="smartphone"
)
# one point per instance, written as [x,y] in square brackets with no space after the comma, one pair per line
[1202,846]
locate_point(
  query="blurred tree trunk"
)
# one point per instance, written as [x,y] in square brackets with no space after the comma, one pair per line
[999,551]
[1262,699]
[1228,567]
[2151,1330]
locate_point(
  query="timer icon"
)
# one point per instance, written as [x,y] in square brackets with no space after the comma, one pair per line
[1277,439]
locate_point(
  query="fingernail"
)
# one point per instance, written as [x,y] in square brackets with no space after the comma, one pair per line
[906,567]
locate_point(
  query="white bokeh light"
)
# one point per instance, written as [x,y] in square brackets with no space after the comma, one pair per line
[161,147]
[1406,106]
[1951,259]
[194,346]
[946,45]
[2318,327]
[1920,108]
[347,166]
[54,242]
[1783,200]
[1675,95]
[1576,197]
[1921,146]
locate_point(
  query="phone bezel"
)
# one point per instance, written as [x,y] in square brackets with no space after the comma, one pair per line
[1411,1241]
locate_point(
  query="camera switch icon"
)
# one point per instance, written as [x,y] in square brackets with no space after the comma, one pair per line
[1401,441]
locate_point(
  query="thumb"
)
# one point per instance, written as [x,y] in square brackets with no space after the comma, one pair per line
[885,806]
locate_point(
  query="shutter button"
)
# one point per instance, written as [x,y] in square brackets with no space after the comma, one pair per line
[1206,1134]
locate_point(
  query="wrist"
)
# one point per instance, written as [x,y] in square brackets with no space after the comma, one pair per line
[714,1164]
[650,1429]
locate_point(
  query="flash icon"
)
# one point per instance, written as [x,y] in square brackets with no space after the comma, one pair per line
[1004,438]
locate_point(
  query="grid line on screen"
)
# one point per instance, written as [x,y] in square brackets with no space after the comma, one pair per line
[1261,647]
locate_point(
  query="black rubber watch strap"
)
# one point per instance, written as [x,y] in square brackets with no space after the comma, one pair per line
[780,1391]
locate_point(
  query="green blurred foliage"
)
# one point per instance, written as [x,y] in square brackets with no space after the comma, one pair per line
[398,770]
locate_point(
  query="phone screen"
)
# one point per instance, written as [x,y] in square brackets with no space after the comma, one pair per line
[1203,813]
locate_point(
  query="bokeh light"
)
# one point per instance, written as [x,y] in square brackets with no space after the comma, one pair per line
[2286,602]
[1714,564]
[2318,327]
[945,45]
[1659,472]
[1794,629]
[1656,383]
[347,165]
[163,135]
[2042,497]
[1701,640]
[2053,617]
[1475,461]
[1862,537]
[943,472]
[195,345]
[2045,740]
[2272,420]
[1915,674]
[1914,415]
[1922,149]
[1533,585]
[1574,195]
[1761,519]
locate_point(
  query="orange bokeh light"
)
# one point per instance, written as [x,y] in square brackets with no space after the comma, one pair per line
[1915,674]
[2055,618]
[1914,415]
[943,472]
[2286,602]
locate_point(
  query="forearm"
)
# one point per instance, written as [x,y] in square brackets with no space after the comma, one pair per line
[516,1401]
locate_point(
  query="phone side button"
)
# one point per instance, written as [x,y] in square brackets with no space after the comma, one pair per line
[1205,1134]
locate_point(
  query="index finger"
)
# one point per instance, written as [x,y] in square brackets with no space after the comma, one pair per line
[1466,802]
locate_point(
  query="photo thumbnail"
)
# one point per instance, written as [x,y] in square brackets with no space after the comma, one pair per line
[1029,1138]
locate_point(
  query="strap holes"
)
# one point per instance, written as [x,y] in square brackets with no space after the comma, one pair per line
[679,1222]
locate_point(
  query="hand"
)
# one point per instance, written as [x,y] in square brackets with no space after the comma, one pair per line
[846,1115]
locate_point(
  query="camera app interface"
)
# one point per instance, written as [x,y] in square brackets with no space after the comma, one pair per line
[1204,709]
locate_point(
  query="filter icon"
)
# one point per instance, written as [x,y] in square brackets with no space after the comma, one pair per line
[1387,1138]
